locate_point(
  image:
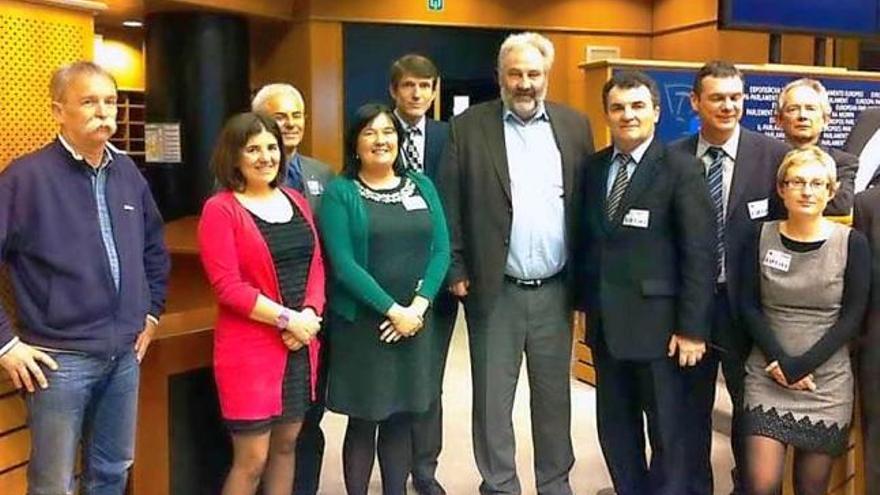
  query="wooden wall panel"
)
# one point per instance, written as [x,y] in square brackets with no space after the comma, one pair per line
[631,16]
[34,41]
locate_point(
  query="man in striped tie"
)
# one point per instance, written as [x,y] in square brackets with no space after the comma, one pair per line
[740,168]
[644,263]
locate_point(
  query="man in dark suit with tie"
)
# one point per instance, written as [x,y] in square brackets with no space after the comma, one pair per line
[509,185]
[866,218]
[864,142]
[413,86]
[645,260]
[802,112]
[286,106]
[748,162]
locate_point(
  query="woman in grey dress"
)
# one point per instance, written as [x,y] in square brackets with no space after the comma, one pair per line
[804,295]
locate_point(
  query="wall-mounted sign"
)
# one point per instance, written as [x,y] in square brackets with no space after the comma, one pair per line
[435,5]
[162,143]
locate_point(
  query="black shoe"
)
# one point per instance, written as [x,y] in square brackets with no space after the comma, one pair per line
[428,487]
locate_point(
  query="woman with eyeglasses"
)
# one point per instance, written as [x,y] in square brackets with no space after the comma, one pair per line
[805,293]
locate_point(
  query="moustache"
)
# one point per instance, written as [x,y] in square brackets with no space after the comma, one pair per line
[98,123]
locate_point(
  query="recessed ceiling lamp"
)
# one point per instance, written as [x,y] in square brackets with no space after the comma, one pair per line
[133,24]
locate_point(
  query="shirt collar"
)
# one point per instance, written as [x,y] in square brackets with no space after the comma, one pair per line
[105,160]
[420,125]
[638,152]
[730,147]
[541,114]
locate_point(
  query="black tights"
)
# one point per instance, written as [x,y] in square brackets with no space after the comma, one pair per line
[394,449]
[766,465]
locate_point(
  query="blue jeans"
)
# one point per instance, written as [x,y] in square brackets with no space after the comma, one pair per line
[92,400]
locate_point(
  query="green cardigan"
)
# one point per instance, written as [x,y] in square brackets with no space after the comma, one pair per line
[344,231]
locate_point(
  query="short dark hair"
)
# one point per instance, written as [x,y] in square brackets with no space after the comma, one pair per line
[413,64]
[232,140]
[362,118]
[715,68]
[629,79]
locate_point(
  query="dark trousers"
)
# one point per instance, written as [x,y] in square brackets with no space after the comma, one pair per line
[869,382]
[625,390]
[730,349]
[310,444]
[535,323]
[427,428]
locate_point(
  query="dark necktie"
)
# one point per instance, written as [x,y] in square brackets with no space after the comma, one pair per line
[715,179]
[294,173]
[410,150]
[618,188]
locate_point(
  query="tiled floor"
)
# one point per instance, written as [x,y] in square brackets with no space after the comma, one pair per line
[457,471]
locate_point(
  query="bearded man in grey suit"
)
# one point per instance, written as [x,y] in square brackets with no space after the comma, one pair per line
[286,106]
[509,185]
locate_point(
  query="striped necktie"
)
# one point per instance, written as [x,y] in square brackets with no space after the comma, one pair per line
[410,150]
[618,188]
[714,157]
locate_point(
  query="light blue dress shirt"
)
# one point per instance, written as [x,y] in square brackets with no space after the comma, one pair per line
[537,234]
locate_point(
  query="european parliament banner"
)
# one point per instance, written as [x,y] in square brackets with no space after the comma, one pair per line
[848,98]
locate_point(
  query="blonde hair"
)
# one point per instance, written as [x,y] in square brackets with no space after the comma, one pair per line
[808,155]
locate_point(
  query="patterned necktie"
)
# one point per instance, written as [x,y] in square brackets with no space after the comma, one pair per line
[715,179]
[621,180]
[410,150]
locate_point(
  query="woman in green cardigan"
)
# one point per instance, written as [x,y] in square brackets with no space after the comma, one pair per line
[385,237]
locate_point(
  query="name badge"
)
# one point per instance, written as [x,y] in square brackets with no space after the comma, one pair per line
[637,218]
[777,260]
[315,188]
[758,209]
[127,207]
[414,203]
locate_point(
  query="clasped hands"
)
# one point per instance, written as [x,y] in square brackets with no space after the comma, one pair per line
[775,371]
[301,329]
[403,321]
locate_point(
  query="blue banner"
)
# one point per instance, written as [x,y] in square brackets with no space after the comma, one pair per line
[848,98]
[857,17]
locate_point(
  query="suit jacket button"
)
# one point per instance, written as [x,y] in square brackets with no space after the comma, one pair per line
[506,242]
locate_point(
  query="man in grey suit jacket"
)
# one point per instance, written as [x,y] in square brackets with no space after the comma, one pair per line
[866,218]
[748,161]
[285,104]
[413,85]
[803,111]
[864,142]
[509,185]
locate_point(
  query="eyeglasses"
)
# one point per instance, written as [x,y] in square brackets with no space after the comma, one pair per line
[801,184]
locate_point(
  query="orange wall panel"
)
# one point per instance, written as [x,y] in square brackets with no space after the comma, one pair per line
[573,15]
[36,40]
[671,14]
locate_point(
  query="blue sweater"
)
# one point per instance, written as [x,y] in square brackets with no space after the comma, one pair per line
[50,239]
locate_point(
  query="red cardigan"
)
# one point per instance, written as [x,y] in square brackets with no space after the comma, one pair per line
[249,356]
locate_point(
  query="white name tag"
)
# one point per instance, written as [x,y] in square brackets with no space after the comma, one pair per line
[637,218]
[758,209]
[127,207]
[414,203]
[777,260]
[315,188]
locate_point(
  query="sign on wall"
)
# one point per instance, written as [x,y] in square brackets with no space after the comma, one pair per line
[435,5]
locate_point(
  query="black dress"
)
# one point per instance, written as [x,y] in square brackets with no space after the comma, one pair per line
[291,245]
[367,378]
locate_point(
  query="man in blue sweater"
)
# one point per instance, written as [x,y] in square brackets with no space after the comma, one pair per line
[82,238]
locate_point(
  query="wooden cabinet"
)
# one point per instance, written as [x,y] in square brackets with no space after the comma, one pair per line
[130,118]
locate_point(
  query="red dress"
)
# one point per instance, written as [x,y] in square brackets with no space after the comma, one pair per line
[249,356]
